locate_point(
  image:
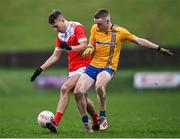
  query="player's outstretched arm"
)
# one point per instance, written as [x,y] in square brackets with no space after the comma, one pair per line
[50,61]
[149,44]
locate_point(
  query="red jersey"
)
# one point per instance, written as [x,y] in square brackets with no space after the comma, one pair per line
[75,33]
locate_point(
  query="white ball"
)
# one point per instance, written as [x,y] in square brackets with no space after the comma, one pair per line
[45,117]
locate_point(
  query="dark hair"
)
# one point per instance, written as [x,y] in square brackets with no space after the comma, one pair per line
[53,16]
[101,13]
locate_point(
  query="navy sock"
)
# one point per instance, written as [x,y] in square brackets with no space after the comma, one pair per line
[85,119]
[102,114]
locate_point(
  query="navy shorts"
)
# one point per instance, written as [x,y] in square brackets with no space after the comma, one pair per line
[92,71]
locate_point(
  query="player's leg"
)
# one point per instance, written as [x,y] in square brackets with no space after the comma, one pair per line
[102,80]
[63,102]
[92,111]
[81,88]
[64,97]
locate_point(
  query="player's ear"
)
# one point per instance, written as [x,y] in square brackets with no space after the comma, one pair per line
[63,20]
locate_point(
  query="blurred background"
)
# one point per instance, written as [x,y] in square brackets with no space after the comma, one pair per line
[148,104]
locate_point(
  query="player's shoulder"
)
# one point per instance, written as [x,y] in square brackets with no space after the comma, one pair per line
[119,28]
[76,24]
[94,27]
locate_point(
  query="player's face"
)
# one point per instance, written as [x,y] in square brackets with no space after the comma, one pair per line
[59,25]
[102,23]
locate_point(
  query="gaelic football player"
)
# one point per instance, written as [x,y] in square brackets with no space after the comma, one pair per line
[105,42]
[71,37]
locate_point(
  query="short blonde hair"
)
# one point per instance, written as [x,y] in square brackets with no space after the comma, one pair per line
[102,13]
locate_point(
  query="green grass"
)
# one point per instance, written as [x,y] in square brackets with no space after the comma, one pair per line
[24,25]
[131,113]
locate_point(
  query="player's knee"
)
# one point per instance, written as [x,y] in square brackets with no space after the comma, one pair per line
[100,88]
[79,90]
[78,96]
[75,90]
[64,89]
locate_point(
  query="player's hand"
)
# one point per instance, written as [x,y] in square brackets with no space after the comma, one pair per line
[65,46]
[165,51]
[36,73]
[87,52]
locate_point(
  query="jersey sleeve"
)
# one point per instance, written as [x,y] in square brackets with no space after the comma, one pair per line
[126,35]
[80,33]
[58,43]
[92,40]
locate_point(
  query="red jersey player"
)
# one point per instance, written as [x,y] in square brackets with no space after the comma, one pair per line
[71,37]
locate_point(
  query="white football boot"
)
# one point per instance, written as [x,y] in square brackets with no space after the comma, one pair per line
[88,127]
[103,123]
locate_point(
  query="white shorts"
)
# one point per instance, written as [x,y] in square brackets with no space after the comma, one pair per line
[79,71]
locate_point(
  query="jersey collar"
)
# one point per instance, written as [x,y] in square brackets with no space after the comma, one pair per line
[70,22]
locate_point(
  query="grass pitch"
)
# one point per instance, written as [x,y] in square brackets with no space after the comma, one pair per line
[24,23]
[131,113]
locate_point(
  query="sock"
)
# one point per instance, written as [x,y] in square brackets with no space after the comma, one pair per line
[102,114]
[95,118]
[85,119]
[57,118]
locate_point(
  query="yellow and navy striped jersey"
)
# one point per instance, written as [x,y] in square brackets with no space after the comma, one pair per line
[108,45]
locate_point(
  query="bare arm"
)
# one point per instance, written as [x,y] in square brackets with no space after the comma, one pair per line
[149,44]
[81,47]
[145,43]
[52,59]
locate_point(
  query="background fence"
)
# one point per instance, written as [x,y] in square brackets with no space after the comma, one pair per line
[139,57]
